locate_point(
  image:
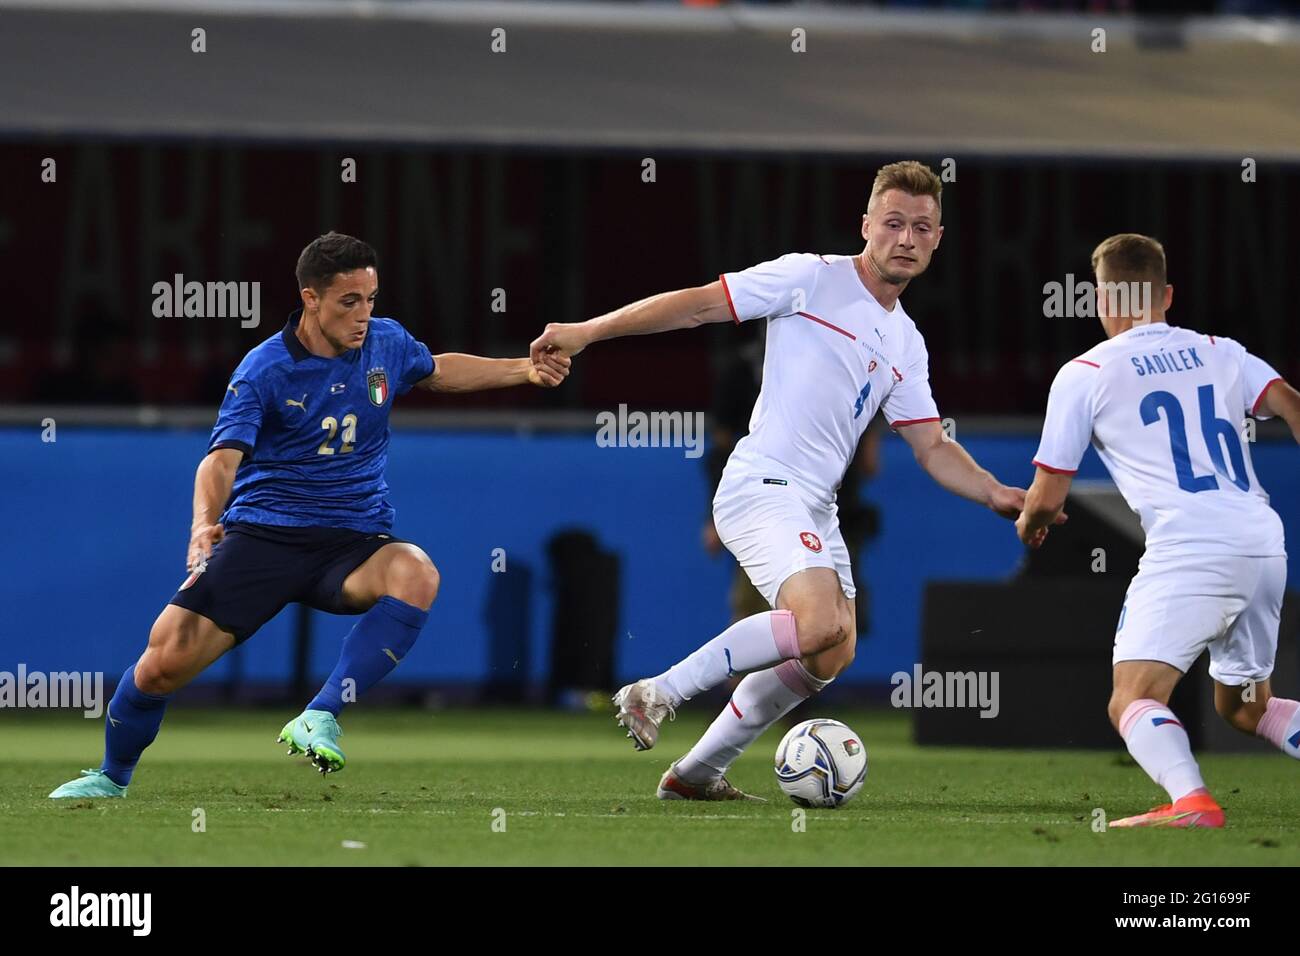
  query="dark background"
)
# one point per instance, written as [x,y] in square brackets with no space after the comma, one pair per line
[570,233]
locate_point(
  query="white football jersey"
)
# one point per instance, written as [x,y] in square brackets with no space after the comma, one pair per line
[834,356]
[1165,408]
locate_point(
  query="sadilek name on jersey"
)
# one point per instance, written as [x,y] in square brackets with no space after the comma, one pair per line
[1164,408]
[314,430]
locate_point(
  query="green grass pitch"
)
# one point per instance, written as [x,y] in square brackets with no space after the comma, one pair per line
[421,788]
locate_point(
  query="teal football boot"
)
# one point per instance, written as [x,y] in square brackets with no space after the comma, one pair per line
[91,785]
[315,733]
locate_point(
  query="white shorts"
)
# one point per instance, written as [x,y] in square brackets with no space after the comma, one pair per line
[1177,606]
[775,531]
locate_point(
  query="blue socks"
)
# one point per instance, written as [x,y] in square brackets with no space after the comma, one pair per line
[130,726]
[380,639]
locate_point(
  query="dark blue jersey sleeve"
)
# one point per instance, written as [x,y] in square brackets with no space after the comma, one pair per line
[417,363]
[240,418]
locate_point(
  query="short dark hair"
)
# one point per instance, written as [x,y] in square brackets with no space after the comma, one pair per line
[328,255]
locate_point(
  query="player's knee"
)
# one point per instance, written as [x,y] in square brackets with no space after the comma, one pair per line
[1115,709]
[148,674]
[159,675]
[820,631]
[850,651]
[841,656]
[413,578]
[169,658]
[430,581]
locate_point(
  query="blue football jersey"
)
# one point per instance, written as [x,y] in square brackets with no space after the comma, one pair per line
[314,430]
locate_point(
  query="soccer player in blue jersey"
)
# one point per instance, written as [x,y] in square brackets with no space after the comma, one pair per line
[301,442]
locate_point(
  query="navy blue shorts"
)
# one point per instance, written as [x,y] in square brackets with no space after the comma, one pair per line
[256,569]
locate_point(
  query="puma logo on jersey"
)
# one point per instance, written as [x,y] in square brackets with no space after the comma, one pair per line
[300,404]
[234,389]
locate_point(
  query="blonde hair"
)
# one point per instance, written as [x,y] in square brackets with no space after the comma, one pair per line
[1130,257]
[913,178]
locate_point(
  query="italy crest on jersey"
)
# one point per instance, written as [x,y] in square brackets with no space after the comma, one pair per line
[377,386]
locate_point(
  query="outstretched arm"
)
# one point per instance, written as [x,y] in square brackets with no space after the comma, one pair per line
[1283,401]
[1043,505]
[955,470]
[683,309]
[458,372]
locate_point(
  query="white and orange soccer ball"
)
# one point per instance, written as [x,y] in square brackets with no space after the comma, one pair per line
[821,763]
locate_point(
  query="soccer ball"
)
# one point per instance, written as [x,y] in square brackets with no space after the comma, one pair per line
[821,763]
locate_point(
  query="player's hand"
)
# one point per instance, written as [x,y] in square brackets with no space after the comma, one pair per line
[566,338]
[1007,501]
[1010,502]
[1031,539]
[202,540]
[551,370]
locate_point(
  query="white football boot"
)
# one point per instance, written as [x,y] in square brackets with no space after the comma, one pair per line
[673,787]
[641,709]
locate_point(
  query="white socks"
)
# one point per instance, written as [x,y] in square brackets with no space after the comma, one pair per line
[1158,742]
[760,700]
[1280,725]
[753,644]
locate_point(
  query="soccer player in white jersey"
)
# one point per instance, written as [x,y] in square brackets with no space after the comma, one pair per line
[839,348]
[1164,407]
